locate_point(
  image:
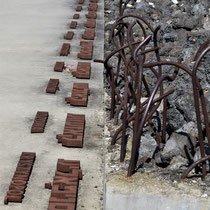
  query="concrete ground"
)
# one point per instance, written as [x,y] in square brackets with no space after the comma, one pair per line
[30,41]
[149,192]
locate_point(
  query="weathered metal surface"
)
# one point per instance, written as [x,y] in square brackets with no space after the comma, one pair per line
[83,70]
[73,133]
[79,8]
[65,49]
[73,25]
[76,16]
[69,35]
[59,66]
[81,1]
[92,7]
[20,179]
[89,34]
[90,23]
[79,95]
[52,86]
[91,15]
[86,51]
[64,188]
[40,122]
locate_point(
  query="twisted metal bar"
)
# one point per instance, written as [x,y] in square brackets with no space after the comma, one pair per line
[196,163]
[199,96]
[137,139]
[129,73]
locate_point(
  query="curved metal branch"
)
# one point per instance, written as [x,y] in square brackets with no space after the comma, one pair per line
[196,163]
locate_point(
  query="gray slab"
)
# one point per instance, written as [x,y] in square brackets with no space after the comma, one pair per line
[30,41]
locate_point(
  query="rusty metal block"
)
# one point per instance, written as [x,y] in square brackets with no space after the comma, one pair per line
[73,133]
[91,15]
[81,86]
[79,95]
[58,173]
[73,141]
[30,155]
[18,177]
[81,1]
[65,185]
[83,70]
[65,49]
[77,99]
[65,181]
[59,66]
[79,8]
[76,16]
[89,34]
[57,206]
[66,165]
[90,23]
[48,185]
[52,86]
[19,182]
[69,35]
[16,199]
[68,175]
[73,25]
[65,191]
[93,7]
[86,51]
[39,122]
[63,200]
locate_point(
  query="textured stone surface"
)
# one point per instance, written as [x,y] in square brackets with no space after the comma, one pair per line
[147,147]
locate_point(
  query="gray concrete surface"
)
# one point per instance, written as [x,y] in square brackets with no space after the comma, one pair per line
[30,41]
[147,201]
[149,192]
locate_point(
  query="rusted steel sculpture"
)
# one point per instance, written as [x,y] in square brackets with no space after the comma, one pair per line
[64,188]
[199,101]
[129,85]
[21,177]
